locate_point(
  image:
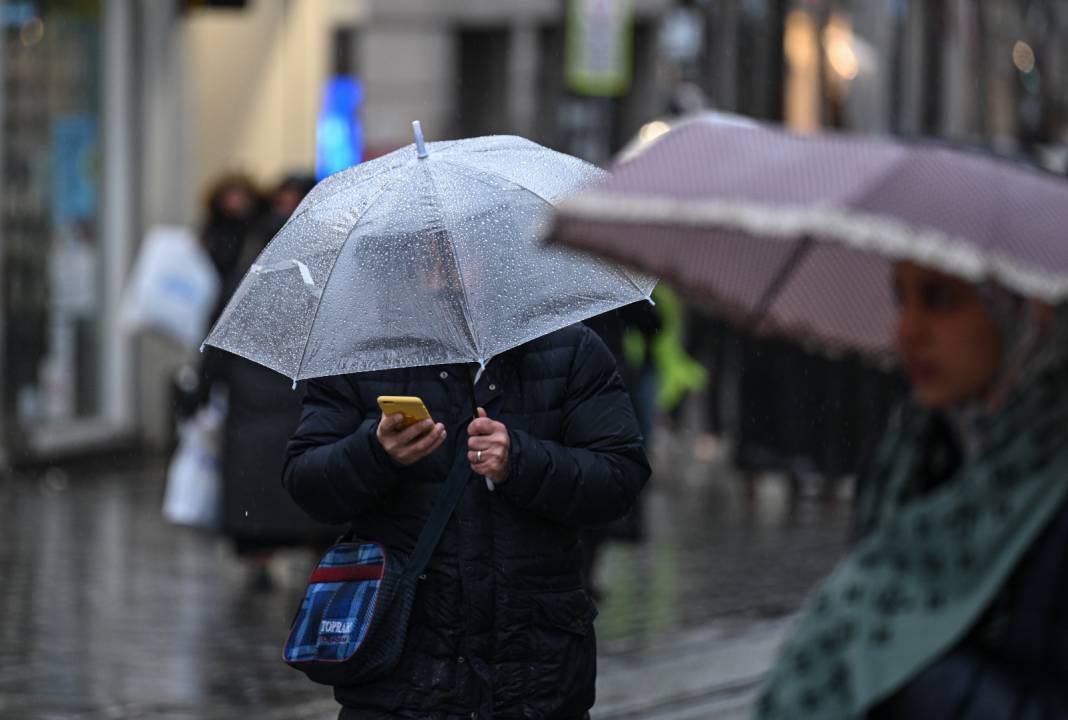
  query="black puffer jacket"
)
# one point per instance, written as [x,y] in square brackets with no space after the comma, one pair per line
[501,627]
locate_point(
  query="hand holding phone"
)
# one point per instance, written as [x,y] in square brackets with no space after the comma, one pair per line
[406,431]
[410,406]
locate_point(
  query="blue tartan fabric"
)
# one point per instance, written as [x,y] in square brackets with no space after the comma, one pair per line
[334,617]
[353,623]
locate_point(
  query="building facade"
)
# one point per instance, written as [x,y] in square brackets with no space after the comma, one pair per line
[65,220]
[117,114]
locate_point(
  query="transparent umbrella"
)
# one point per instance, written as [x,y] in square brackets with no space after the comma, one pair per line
[426,256]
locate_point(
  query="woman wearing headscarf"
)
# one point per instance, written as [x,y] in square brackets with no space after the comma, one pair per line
[952,600]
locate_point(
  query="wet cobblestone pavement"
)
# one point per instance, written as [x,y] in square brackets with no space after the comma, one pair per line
[715,551]
[108,612]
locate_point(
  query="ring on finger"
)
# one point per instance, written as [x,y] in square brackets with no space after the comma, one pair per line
[478,456]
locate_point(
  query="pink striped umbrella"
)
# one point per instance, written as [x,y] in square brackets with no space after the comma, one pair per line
[797,234]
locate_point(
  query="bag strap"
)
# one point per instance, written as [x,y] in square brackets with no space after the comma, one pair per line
[445,502]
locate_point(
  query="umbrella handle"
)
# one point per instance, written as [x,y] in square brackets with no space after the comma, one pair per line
[471,374]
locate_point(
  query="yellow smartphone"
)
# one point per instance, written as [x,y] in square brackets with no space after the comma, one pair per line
[410,406]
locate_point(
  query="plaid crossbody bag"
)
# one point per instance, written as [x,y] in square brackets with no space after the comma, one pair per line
[352,622]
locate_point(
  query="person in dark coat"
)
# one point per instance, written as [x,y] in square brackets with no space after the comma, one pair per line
[781,387]
[258,516]
[640,382]
[233,203]
[951,601]
[501,627]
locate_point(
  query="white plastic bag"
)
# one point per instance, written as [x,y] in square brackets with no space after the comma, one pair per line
[173,287]
[194,479]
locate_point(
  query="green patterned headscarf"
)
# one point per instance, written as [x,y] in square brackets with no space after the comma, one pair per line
[929,563]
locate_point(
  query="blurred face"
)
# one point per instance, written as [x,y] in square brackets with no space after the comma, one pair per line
[236,202]
[286,201]
[949,346]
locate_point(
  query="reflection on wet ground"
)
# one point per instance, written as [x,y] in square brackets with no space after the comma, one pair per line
[108,612]
[714,550]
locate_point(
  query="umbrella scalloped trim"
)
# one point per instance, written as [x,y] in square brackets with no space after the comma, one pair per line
[862,231]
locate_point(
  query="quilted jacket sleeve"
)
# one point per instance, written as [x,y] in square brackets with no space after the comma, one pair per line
[335,468]
[595,474]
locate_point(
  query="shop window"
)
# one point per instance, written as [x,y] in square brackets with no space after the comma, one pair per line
[51,256]
[482,97]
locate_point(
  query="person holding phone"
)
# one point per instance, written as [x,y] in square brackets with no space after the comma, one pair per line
[501,626]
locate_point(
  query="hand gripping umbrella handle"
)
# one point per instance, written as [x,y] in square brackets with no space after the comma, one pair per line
[471,374]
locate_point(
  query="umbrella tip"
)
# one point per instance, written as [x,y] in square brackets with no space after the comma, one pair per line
[201,347]
[420,146]
[294,384]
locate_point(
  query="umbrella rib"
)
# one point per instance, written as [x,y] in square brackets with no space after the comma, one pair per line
[311,326]
[338,191]
[472,173]
[530,147]
[469,172]
[459,274]
[782,275]
[620,270]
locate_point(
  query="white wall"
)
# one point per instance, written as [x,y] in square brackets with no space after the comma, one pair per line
[254,81]
[254,76]
[221,90]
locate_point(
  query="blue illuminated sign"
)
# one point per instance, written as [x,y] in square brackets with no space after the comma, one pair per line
[338,135]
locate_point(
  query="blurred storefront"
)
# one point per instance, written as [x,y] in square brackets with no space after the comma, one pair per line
[117,114]
[992,74]
[471,68]
[241,87]
[64,218]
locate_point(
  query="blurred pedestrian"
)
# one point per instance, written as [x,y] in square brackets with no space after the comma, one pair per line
[646,341]
[280,204]
[951,602]
[641,321]
[764,394]
[262,409]
[233,204]
[501,626]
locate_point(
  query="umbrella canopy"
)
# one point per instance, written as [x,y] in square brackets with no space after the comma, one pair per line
[428,255]
[797,235]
